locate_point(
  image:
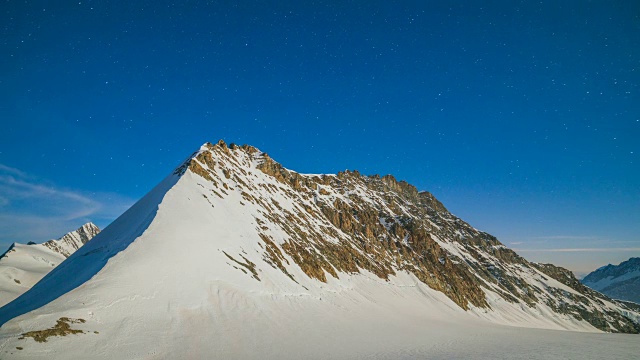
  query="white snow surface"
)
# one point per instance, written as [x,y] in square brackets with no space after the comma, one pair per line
[24,265]
[156,284]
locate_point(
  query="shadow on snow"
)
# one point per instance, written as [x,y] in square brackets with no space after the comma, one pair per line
[92,257]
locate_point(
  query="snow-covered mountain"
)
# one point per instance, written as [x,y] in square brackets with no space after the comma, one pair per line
[617,281]
[234,256]
[21,266]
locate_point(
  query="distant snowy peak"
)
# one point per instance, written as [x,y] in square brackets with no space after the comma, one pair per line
[21,266]
[614,271]
[617,281]
[69,243]
[65,245]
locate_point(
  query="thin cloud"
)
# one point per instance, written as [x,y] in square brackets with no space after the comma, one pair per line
[11,170]
[71,204]
[32,209]
[564,237]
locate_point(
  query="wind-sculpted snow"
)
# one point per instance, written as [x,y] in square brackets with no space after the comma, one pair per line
[234,256]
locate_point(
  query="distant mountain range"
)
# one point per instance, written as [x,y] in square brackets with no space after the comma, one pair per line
[617,281]
[234,256]
[21,266]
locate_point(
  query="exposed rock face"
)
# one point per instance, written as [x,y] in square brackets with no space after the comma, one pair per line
[617,281]
[350,223]
[599,320]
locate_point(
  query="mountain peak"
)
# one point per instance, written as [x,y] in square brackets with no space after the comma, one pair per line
[72,241]
[219,164]
[232,231]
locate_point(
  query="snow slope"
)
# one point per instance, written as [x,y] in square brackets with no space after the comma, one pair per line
[21,266]
[203,267]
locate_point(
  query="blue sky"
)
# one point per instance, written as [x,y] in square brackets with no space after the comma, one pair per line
[523,118]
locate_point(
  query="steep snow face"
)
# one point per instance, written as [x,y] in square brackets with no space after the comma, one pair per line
[617,281]
[233,256]
[21,266]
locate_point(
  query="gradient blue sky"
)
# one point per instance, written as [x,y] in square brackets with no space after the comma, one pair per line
[523,118]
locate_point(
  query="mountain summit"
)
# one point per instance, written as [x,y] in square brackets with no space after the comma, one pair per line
[234,255]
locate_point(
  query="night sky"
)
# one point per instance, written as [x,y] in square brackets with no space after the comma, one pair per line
[523,118]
